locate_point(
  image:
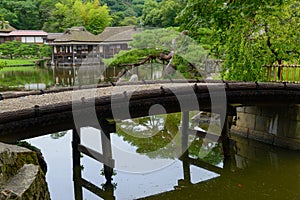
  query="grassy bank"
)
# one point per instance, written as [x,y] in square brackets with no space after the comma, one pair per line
[21,68]
[17,62]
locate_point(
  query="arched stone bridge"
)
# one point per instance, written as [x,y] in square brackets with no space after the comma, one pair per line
[27,115]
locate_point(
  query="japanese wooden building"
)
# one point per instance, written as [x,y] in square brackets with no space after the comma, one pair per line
[115,39]
[77,46]
[74,46]
[9,33]
[5,29]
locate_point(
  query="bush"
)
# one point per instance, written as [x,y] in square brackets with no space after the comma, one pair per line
[16,49]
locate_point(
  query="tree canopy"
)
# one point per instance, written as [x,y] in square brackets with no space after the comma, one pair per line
[16,49]
[162,14]
[167,47]
[247,34]
[69,13]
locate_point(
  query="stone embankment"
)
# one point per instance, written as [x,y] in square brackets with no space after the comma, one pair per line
[276,125]
[20,174]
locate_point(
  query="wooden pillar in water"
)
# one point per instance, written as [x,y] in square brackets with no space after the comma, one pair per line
[227,121]
[184,150]
[76,165]
[107,129]
[184,132]
[225,137]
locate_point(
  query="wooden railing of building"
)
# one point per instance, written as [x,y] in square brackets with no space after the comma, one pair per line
[283,73]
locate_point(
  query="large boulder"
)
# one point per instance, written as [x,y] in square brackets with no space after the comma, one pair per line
[20,174]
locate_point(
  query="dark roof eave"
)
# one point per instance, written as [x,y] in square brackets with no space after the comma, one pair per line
[73,42]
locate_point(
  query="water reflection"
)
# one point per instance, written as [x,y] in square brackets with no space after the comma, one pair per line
[254,171]
[25,78]
[35,78]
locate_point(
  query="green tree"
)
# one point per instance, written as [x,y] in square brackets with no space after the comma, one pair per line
[46,8]
[167,47]
[8,49]
[162,14]
[22,14]
[45,51]
[16,49]
[71,13]
[247,34]
[127,21]
[151,14]
[2,22]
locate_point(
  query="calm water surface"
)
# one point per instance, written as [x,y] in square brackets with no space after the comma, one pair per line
[255,171]
[146,155]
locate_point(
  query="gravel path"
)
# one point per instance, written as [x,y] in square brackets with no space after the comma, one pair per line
[15,104]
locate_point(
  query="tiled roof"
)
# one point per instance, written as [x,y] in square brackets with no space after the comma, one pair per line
[4,34]
[28,33]
[77,34]
[115,34]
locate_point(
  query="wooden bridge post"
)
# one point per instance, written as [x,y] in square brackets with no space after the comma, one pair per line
[227,121]
[107,129]
[186,171]
[184,150]
[76,165]
[184,133]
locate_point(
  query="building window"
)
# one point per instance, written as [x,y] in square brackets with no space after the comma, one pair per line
[39,40]
[29,39]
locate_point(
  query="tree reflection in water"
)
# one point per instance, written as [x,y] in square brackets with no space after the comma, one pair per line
[254,171]
[159,137]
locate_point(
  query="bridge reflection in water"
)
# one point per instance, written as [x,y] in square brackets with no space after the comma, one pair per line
[251,170]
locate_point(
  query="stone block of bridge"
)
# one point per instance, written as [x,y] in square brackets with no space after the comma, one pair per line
[278,125]
[294,113]
[246,120]
[252,110]
[262,123]
[294,129]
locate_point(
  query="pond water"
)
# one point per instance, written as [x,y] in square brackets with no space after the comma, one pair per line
[147,165]
[35,78]
[25,78]
[147,154]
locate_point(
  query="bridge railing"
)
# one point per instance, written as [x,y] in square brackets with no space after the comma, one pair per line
[283,73]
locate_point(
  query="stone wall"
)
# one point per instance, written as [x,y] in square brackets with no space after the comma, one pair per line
[20,174]
[278,125]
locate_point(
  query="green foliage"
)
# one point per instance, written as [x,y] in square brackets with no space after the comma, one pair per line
[16,49]
[161,14]
[24,14]
[247,34]
[160,138]
[152,43]
[69,13]
[2,22]
[45,51]
[3,64]
[131,56]
[128,21]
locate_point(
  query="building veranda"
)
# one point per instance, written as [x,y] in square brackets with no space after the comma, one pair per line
[77,46]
